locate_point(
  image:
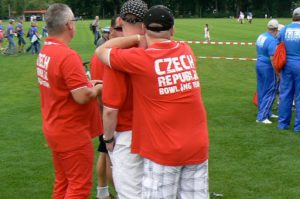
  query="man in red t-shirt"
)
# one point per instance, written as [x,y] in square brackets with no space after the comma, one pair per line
[103,169]
[117,113]
[70,114]
[169,124]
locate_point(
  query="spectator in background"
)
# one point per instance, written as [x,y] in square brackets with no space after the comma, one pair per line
[267,82]
[70,112]
[104,37]
[1,35]
[249,17]
[11,50]
[206,33]
[20,35]
[45,32]
[95,29]
[34,37]
[290,74]
[241,17]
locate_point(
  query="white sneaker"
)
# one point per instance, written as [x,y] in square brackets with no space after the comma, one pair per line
[274,116]
[266,121]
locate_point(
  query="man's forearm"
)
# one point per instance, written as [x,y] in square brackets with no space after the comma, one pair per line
[110,119]
[85,95]
[120,42]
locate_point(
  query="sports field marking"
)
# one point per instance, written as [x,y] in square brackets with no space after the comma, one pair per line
[220,43]
[228,58]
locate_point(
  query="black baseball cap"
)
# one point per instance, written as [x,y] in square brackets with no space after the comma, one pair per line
[159,18]
[137,8]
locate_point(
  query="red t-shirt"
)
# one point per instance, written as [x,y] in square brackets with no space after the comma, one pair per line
[169,123]
[67,125]
[117,94]
[97,68]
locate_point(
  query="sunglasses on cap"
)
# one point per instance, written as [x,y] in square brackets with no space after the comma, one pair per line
[118,28]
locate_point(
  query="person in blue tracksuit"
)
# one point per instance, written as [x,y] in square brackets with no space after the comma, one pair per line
[20,35]
[267,84]
[33,34]
[290,74]
[10,33]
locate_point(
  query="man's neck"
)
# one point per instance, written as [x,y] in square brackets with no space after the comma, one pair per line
[132,29]
[62,38]
[273,33]
[151,41]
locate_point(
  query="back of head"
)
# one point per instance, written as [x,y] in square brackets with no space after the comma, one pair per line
[296,14]
[158,21]
[11,21]
[57,17]
[132,13]
[273,24]
[113,21]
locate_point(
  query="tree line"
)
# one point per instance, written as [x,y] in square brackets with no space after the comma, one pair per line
[181,8]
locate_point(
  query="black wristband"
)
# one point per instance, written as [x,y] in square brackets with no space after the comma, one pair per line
[108,141]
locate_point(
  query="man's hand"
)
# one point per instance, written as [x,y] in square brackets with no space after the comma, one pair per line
[95,82]
[143,42]
[110,146]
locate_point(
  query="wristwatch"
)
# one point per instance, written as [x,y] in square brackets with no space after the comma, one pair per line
[107,141]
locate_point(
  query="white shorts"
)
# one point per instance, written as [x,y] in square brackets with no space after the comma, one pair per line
[168,182]
[127,168]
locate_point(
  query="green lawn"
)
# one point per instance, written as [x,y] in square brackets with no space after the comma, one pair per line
[247,160]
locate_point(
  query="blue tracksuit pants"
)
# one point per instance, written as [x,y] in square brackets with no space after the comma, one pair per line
[267,87]
[289,88]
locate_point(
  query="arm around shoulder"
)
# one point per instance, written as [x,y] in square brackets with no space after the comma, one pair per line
[103,51]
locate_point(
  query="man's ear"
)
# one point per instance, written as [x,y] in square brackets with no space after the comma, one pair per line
[143,29]
[119,21]
[70,25]
[172,31]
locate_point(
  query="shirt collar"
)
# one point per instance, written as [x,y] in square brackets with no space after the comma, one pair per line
[52,41]
[163,45]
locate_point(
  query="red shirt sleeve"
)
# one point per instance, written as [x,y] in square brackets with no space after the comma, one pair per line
[127,60]
[73,72]
[114,90]
[97,68]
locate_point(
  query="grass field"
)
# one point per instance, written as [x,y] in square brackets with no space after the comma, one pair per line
[247,160]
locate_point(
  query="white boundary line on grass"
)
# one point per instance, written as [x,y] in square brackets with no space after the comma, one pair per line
[228,58]
[220,43]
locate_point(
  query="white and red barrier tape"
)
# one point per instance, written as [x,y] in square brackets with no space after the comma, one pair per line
[220,43]
[228,58]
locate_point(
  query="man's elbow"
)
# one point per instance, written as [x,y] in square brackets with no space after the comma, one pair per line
[109,112]
[81,101]
[99,51]
[102,54]
[84,96]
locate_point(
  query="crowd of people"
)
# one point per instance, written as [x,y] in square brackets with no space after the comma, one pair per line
[157,147]
[269,79]
[13,31]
